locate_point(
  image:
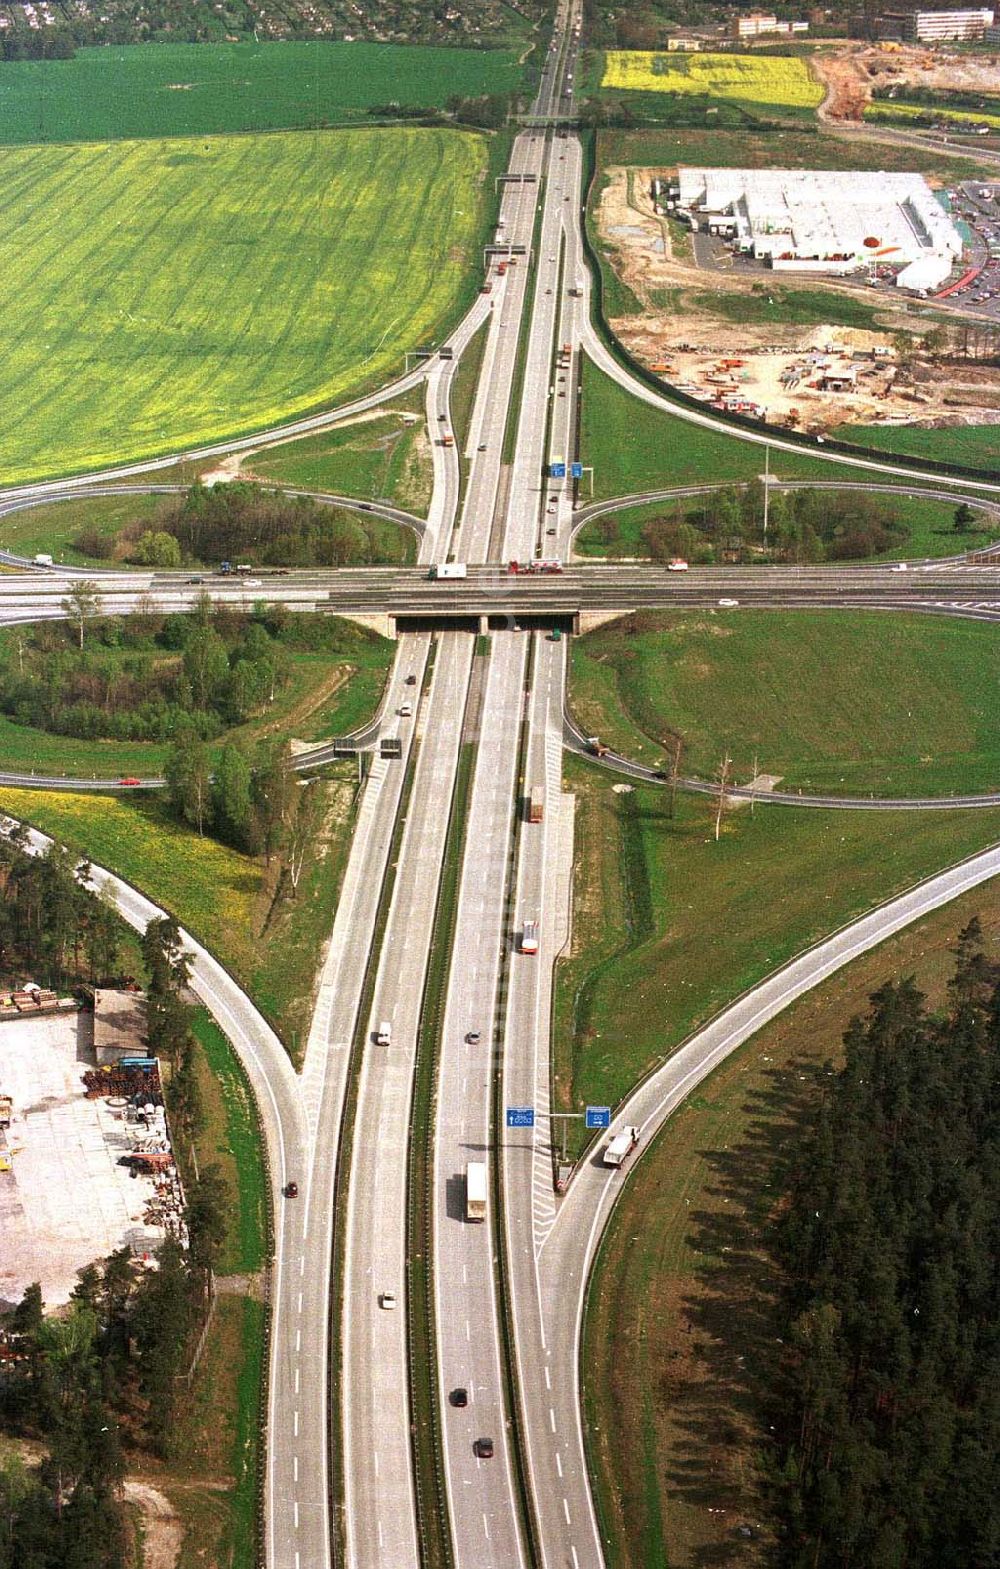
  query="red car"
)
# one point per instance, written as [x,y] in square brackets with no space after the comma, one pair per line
[129,780]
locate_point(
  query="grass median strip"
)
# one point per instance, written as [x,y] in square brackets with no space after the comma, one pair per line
[432,1503]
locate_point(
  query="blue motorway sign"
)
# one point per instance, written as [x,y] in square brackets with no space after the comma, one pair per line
[576,471]
[520,1116]
[598,1117]
[557,470]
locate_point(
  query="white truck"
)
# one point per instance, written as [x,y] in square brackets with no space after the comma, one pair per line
[620,1146]
[449,569]
[42,560]
[475,1190]
[383,1035]
[529,937]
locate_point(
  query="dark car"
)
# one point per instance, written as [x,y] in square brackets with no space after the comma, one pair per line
[459,1397]
[473,1037]
[483,1448]
[411,680]
[660,773]
[196,580]
[291,1190]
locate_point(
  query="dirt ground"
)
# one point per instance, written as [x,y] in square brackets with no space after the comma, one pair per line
[852,73]
[779,372]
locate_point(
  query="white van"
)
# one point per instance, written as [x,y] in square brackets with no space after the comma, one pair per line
[384,1035]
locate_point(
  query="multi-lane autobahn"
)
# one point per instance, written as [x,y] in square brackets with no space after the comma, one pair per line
[507,1294]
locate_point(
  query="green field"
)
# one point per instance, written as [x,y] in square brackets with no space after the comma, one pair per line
[784,307]
[772,82]
[193,90]
[196,289]
[835,702]
[978,445]
[681,1353]
[379,458]
[799,148]
[669,926]
[930,524]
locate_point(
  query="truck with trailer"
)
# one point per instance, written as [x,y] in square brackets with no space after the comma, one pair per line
[536,804]
[620,1146]
[475,1190]
[448,569]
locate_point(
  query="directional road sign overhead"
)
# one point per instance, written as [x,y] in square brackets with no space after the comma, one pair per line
[598,1117]
[520,1116]
[576,471]
[557,470]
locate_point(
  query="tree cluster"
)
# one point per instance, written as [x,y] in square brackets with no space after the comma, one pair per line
[891,1426]
[52,927]
[248,799]
[241,522]
[803,526]
[143,679]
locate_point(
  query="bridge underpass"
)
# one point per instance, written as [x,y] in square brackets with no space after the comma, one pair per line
[496,621]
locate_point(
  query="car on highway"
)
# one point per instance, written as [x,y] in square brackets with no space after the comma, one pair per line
[291,1190]
[411,680]
[481,447]
[483,1448]
[130,779]
[253,582]
[728,604]
[473,1037]
[898,566]
[405,710]
[459,1398]
[387,1299]
[196,580]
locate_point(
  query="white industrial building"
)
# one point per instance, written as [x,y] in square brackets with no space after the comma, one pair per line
[825,221]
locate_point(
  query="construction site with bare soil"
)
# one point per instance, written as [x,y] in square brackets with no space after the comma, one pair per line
[852,73]
[813,353]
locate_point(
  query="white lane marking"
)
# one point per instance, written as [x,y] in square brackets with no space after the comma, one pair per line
[380,1533]
[375,1456]
[559,1462]
[298,1560]
[465,1274]
[295,1514]
[486,1527]
[566,1511]
[548,1377]
[298,1340]
[295,1468]
[302,1265]
[296,1380]
[552,1419]
[300,1302]
[295,1423]
[576,1561]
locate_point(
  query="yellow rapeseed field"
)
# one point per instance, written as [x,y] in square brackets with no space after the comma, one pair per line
[763,79]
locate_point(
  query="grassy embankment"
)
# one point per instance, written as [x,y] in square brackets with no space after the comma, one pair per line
[669,925]
[224,898]
[978,445]
[680,1351]
[833,702]
[283,249]
[634,447]
[930,525]
[328,693]
[160,90]
[211,1479]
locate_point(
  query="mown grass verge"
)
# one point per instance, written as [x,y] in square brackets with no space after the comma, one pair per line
[670,926]
[831,702]
[679,1360]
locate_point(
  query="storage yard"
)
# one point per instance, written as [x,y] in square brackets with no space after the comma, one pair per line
[85,1159]
[811,353]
